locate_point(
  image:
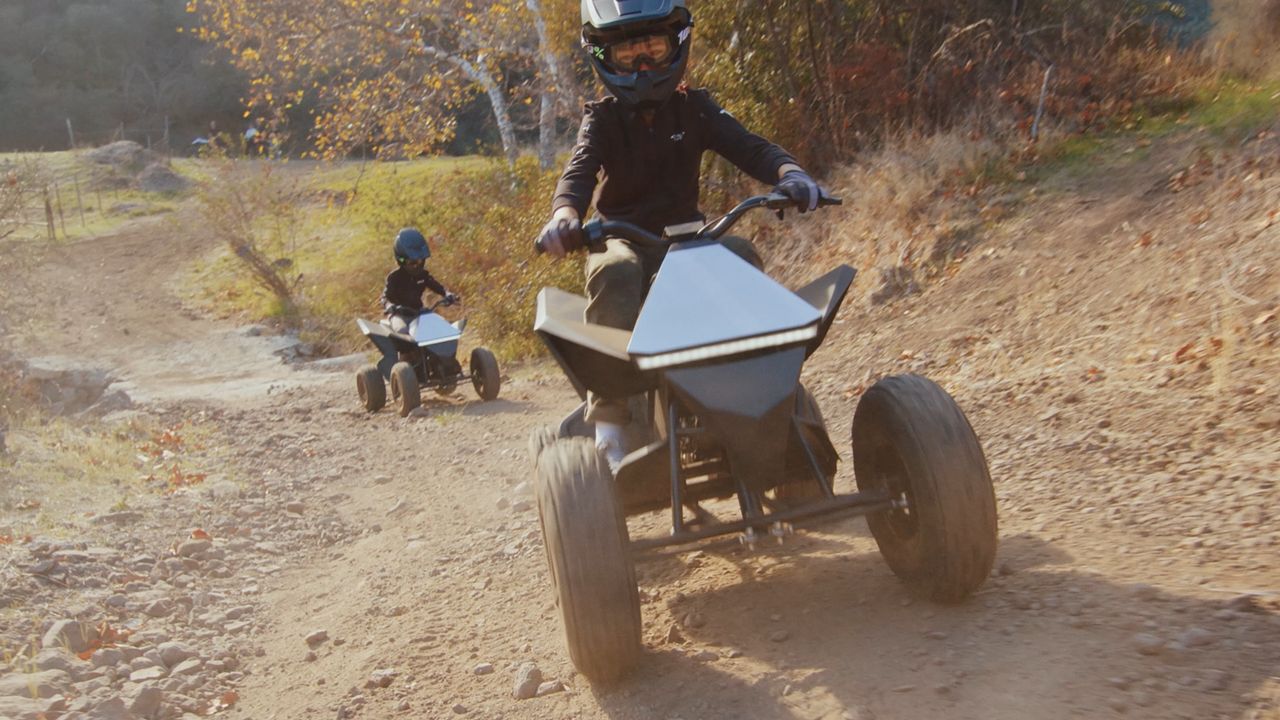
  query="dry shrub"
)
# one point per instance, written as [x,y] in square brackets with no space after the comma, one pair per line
[21,182]
[1246,34]
[255,210]
[830,78]
[481,222]
[909,209]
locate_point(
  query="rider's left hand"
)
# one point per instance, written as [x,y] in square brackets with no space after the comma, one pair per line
[800,188]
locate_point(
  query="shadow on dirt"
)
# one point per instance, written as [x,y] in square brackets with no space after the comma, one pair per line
[826,631]
[440,408]
[670,685]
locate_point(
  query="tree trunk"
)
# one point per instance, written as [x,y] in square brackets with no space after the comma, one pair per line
[547,131]
[501,112]
[552,88]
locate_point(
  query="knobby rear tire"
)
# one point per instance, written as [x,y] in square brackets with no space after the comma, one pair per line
[589,554]
[484,374]
[910,439]
[372,388]
[404,388]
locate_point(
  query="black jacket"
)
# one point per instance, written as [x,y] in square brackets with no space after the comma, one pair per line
[406,290]
[651,174]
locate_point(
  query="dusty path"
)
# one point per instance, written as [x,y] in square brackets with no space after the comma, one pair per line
[117,298]
[1124,391]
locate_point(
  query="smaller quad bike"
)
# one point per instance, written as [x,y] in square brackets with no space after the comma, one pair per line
[713,366]
[424,358]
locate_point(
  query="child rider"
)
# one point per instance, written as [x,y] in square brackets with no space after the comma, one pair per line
[402,295]
[645,143]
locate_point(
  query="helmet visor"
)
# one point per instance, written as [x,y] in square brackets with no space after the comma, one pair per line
[654,51]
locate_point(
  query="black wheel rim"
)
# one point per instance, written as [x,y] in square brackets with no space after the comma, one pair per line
[891,477]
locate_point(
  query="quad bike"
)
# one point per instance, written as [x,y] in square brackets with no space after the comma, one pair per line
[424,358]
[713,364]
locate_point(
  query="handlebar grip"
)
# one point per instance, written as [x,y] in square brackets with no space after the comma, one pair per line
[829,200]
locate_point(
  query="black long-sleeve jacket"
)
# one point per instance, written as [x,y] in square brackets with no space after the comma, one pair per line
[405,289]
[651,172]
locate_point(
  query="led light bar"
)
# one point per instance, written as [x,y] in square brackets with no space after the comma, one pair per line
[437,341]
[732,347]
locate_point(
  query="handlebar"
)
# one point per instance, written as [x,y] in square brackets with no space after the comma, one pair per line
[595,232]
[442,301]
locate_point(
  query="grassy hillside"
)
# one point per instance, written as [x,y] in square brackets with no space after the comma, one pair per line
[915,210]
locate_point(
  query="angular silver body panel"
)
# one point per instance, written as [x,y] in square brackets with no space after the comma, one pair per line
[706,295]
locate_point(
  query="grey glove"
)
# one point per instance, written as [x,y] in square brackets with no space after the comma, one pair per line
[800,189]
[561,236]
[451,298]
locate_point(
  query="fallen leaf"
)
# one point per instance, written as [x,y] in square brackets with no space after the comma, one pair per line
[6,539]
[1186,352]
[228,699]
[110,634]
[200,534]
[1146,239]
[1201,216]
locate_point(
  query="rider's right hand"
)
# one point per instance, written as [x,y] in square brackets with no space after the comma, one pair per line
[561,235]
[800,189]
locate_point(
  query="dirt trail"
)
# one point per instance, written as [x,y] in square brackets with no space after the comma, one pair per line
[1119,363]
[115,297]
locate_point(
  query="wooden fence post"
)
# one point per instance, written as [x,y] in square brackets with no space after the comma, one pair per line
[80,201]
[48,216]
[71,136]
[57,195]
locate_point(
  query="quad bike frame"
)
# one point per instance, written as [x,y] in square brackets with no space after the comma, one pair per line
[410,365]
[718,411]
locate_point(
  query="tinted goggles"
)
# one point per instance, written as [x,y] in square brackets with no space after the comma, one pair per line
[653,51]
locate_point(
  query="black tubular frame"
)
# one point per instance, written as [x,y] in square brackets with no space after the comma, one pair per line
[753,515]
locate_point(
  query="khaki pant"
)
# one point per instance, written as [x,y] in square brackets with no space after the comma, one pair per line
[618,278]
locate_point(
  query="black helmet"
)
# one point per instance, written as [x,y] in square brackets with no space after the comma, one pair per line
[411,245]
[658,31]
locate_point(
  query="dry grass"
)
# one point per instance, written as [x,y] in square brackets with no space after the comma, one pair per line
[83,205]
[59,473]
[481,216]
[915,209]
[908,208]
[1245,36]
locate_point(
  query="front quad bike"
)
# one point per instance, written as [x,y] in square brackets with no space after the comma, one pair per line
[424,358]
[713,366]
